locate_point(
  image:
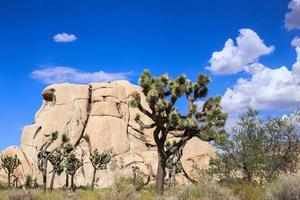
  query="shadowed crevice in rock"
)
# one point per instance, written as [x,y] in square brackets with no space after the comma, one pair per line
[89,108]
[37,132]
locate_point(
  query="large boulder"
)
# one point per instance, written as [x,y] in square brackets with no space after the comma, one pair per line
[96,116]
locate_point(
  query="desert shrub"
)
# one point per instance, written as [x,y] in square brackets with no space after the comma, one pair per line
[3,186]
[22,195]
[120,190]
[207,191]
[28,182]
[287,187]
[257,150]
[247,191]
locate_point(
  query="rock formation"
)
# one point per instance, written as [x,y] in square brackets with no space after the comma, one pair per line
[96,116]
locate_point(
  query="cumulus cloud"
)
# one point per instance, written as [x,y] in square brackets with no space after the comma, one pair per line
[235,57]
[266,89]
[292,18]
[61,74]
[296,65]
[64,37]
[296,42]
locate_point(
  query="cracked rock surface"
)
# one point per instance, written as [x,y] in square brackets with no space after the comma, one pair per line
[96,116]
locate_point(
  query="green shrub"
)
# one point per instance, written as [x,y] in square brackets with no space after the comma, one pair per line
[287,187]
[207,191]
[247,191]
[3,186]
[122,189]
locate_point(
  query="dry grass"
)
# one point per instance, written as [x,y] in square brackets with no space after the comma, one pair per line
[285,188]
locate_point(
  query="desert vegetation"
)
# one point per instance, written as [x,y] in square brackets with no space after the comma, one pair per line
[258,158]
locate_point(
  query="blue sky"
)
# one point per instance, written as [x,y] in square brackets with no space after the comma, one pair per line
[121,38]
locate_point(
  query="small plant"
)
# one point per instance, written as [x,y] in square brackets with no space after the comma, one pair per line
[99,162]
[207,191]
[72,164]
[137,181]
[121,189]
[28,182]
[9,164]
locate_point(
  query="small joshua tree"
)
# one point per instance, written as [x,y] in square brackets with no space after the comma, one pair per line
[9,164]
[72,164]
[174,166]
[28,182]
[137,180]
[161,95]
[43,157]
[57,156]
[99,162]
[68,148]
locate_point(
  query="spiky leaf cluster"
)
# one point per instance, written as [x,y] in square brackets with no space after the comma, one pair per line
[72,164]
[99,160]
[56,159]
[10,163]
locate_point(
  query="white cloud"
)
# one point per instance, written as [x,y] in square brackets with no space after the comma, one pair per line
[61,74]
[296,42]
[266,89]
[296,66]
[64,37]
[235,57]
[292,18]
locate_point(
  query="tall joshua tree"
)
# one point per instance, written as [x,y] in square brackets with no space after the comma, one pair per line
[99,162]
[9,164]
[57,156]
[72,164]
[162,94]
[43,157]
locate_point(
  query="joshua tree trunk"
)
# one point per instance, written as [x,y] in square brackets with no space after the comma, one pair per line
[52,180]
[67,180]
[161,172]
[45,180]
[72,183]
[93,181]
[8,179]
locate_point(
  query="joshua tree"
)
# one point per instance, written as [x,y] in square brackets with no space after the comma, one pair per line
[43,157]
[99,162]
[161,95]
[68,148]
[57,156]
[9,164]
[72,164]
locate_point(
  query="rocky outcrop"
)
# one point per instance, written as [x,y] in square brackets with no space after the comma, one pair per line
[96,116]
